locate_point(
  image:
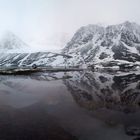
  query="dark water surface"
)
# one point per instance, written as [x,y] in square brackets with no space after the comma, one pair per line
[70,106]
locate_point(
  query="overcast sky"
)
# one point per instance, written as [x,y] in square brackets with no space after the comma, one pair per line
[51,21]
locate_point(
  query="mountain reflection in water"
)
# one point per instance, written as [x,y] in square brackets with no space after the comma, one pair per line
[70,106]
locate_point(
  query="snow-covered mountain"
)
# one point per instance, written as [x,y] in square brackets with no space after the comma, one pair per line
[9,42]
[14,52]
[114,44]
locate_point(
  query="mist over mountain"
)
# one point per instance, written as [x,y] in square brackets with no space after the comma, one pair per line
[9,42]
[109,46]
[17,53]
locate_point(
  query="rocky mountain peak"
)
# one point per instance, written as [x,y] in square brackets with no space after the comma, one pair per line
[94,43]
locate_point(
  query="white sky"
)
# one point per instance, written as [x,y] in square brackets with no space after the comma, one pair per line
[52,21]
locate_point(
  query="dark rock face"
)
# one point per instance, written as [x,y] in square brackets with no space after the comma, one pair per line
[122,53]
[103,56]
[103,79]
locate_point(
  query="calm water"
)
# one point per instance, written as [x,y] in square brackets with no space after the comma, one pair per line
[70,106]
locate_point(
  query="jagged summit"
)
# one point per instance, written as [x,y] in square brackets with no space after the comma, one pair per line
[129,24]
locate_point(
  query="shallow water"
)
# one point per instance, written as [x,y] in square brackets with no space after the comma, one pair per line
[70,106]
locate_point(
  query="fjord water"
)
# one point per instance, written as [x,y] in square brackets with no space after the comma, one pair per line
[70,106]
